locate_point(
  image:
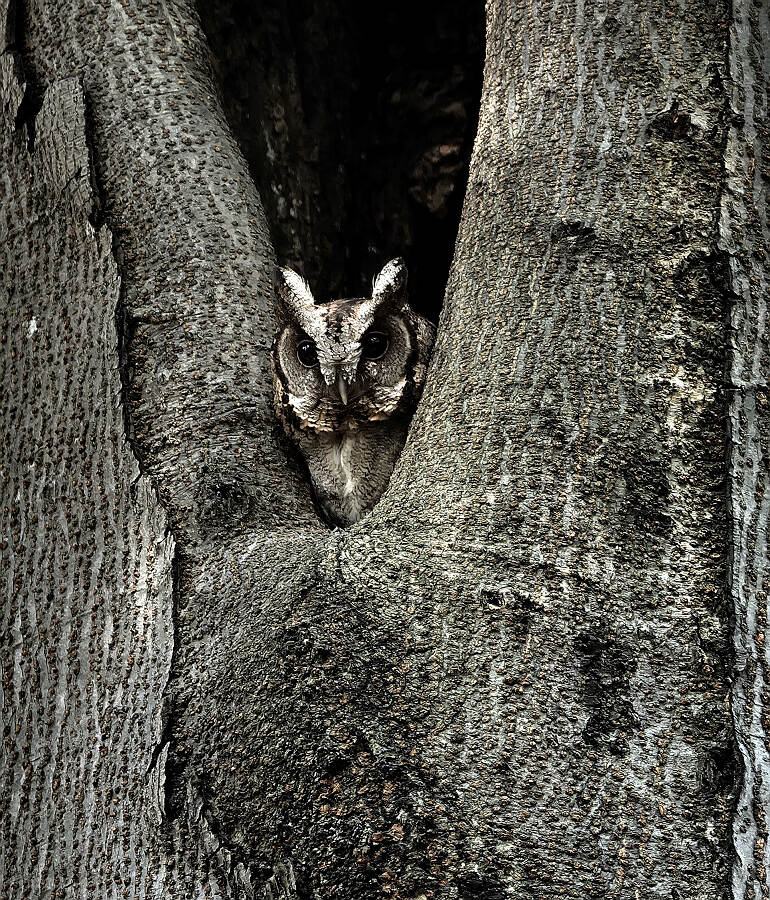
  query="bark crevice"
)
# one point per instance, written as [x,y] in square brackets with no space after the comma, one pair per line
[33,90]
[366,129]
[744,245]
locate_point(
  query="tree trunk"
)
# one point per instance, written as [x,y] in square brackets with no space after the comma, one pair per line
[511,679]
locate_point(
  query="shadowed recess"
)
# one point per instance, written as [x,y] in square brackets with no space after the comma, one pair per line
[358,130]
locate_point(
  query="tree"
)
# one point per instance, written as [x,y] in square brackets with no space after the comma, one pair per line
[513,678]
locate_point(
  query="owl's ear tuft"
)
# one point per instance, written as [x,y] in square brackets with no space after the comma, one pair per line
[292,293]
[390,285]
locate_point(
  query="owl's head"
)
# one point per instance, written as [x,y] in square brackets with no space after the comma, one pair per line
[343,363]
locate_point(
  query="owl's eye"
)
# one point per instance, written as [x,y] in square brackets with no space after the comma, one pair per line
[307,354]
[374,344]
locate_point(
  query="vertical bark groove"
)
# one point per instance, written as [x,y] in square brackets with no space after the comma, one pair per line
[745,238]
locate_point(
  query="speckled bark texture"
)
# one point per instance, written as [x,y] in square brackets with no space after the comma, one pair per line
[510,680]
[86,630]
[190,239]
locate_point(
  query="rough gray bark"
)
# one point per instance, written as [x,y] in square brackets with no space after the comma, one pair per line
[86,624]
[512,678]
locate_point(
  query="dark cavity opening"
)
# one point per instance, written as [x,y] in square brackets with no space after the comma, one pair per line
[358,130]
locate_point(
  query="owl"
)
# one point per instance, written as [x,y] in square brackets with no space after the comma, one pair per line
[348,375]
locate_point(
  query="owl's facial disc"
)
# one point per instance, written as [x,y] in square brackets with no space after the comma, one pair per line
[345,363]
[345,371]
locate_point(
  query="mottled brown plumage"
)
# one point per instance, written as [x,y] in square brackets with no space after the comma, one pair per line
[348,375]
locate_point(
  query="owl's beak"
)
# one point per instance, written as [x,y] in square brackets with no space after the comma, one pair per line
[342,388]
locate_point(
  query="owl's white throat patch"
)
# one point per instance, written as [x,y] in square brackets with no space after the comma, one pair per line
[342,458]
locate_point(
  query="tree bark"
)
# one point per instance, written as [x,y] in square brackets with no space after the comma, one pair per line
[512,679]
[87,631]
[745,239]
